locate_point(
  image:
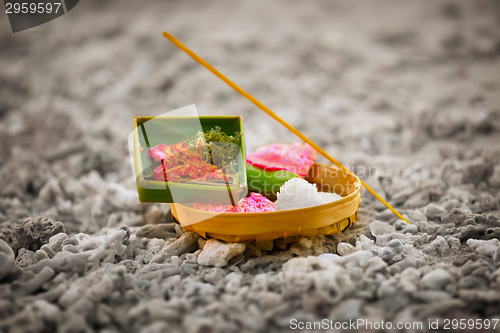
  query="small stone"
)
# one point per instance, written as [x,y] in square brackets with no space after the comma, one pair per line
[476,173]
[8,263]
[396,245]
[32,285]
[453,242]
[25,258]
[358,259]
[411,229]
[233,282]
[55,244]
[488,202]
[437,279]
[496,256]
[494,220]
[484,247]
[217,254]
[155,245]
[31,233]
[328,279]
[390,252]
[400,225]
[470,231]
[418,199]
[439,246]
[215,275]
[375,264]
[265,245]
[451,204]
[46,311]
[193,257]
[183,244]
[345,249]
[482,219]
[378,228]
[41,255]
[270,300]
[328,256]
[305,242]
[434,211]
[456,216]
[492,233]
[409,279]
[364,243]
[403,264]
[189,268]
[386,253]
[163,231]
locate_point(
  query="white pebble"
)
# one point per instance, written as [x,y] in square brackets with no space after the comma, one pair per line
[345,249]
[358,258]
[364,243]
[155,245]
[484,247]
[437,279]
[378,228]
[328,256]
[217,254]
[432,211]
[438,246]
[305,242]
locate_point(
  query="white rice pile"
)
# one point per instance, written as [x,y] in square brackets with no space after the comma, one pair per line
[298,193]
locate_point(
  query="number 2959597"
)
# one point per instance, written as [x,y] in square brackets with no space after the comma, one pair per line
[32,8]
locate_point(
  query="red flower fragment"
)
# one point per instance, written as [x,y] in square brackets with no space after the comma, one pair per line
[179,163]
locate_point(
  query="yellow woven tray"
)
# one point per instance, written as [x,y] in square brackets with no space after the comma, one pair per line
[326,219]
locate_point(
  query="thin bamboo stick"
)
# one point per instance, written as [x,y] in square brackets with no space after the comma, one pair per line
[264,108]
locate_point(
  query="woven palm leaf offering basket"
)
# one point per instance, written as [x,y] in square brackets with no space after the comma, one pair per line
[326,218]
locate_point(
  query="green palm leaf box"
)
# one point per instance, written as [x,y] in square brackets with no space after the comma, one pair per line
[152,131]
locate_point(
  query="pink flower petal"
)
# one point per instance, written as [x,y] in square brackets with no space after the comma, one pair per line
[158,152]
[255,203]
[296,157]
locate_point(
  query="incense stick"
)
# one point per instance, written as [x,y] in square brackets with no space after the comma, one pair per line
[264,108]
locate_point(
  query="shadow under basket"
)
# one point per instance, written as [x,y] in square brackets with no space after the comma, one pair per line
[327,219]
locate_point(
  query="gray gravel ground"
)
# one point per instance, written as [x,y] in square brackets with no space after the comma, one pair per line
[404,92]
